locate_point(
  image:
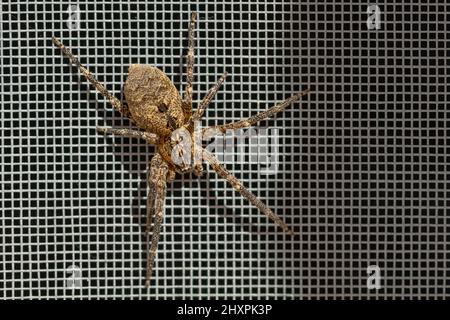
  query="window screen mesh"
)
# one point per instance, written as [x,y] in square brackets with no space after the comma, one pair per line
[363,161]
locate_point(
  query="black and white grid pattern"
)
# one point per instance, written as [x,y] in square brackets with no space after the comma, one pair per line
[364,161]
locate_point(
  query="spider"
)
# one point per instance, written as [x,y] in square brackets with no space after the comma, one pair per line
[154,105]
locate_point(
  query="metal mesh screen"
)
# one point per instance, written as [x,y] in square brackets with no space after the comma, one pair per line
[362,174]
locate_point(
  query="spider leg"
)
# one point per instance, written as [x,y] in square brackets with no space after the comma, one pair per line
[239,187]
[149,137]
[187,99]
[90,77]
[157,179]
[150,207]
[260,116]
[151,200]
[198,114]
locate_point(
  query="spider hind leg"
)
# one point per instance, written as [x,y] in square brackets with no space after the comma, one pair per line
[245,123]
[91,78]
[187,97]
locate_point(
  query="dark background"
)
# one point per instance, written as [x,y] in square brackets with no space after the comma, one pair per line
[364,161]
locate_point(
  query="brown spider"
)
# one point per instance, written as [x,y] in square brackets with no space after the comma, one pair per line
[156,106]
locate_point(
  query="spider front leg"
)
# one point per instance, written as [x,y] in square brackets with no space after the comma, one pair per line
[150,205]
[151,199]
[149,137]
[157,179]
[90,77]
[239,187]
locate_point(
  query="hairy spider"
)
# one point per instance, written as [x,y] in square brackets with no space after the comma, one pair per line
[155,106]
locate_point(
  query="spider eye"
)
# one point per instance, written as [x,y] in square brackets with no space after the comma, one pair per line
[162,108]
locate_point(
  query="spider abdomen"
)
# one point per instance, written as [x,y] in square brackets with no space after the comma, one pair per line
[153,101]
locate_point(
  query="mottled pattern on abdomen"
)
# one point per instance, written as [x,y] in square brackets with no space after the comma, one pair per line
[146,89]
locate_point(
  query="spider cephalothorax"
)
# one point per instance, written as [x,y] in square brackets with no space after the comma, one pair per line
[166,118]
